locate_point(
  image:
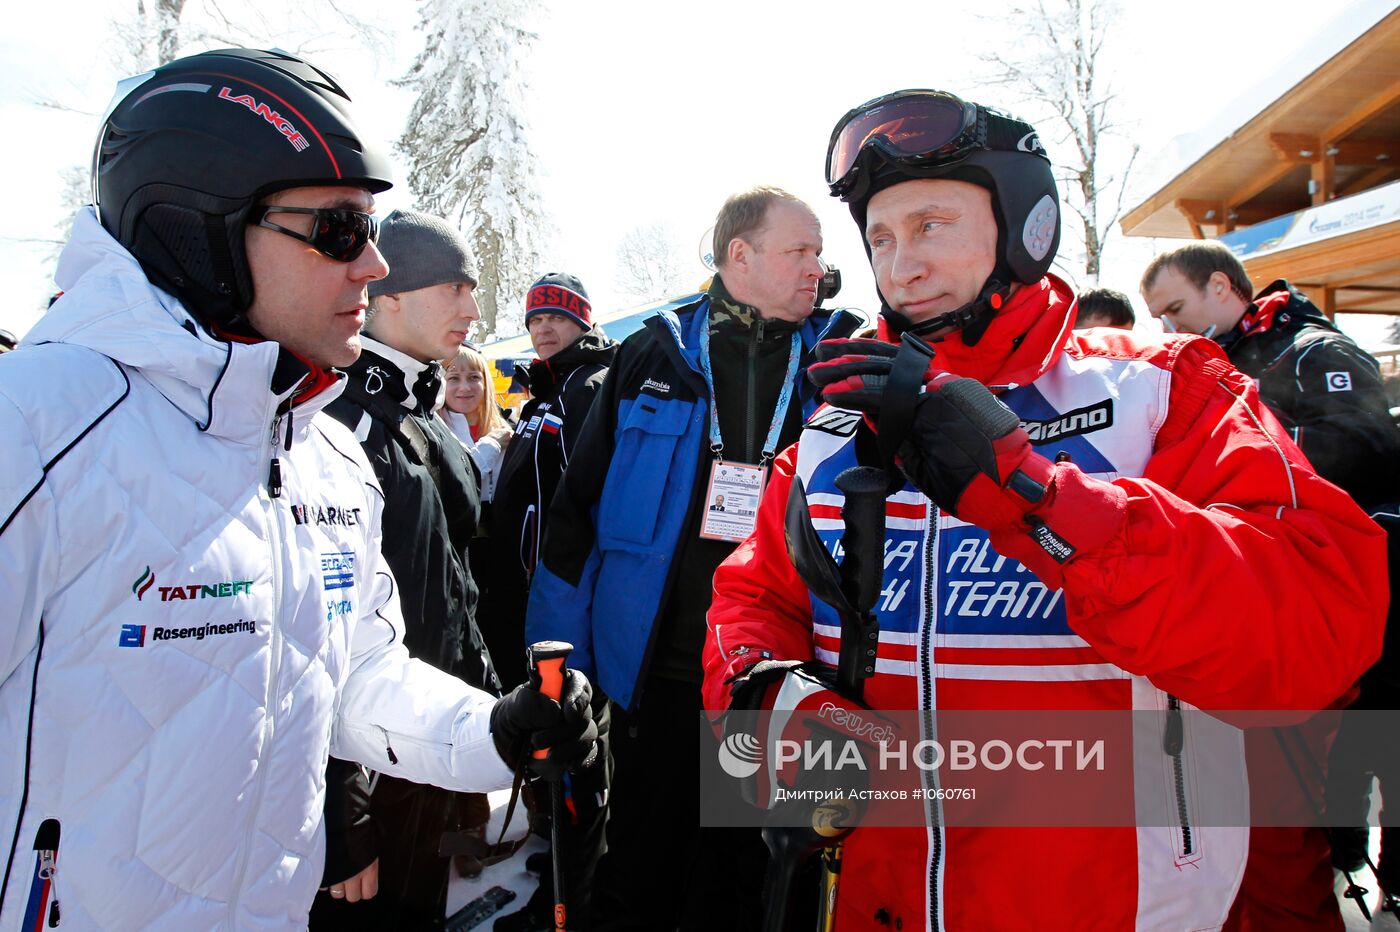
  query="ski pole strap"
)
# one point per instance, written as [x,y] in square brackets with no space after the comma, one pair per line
[906,381]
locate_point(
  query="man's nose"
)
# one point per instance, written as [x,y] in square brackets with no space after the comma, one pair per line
[370,265]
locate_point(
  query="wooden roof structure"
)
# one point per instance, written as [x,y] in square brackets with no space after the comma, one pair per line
[1309,188]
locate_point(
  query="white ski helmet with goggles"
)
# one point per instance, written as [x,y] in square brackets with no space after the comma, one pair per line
[187,152]
[914,134]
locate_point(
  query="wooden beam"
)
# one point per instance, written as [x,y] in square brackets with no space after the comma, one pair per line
[1296,147]
[1370,179]
[1260,183]
[1365,151]
[1363,113]
[1199,212]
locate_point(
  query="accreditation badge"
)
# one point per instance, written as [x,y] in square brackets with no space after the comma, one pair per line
[731,501]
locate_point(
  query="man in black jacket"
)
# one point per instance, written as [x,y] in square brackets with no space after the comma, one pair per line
[1325,389]
[696,405]
[1328,393]
[417,315]
[573,360]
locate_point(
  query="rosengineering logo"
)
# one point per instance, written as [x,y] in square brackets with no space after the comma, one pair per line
[740,755]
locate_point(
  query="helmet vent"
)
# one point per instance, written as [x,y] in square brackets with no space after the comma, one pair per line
[1041,224]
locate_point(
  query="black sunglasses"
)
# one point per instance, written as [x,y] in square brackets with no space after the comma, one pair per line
[338,233]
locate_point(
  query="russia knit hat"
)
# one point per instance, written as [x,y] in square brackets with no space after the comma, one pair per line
[559,293]
[422,251]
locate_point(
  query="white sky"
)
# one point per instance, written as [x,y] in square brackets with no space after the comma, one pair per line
[645,112]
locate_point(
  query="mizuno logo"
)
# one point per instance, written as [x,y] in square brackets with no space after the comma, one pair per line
[1084,420]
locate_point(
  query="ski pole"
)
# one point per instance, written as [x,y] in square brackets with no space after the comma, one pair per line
[547,675]
[862,571]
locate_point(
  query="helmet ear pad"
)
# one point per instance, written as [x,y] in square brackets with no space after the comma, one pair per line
[192,244]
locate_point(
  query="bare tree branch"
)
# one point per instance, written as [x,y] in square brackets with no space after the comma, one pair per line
[1057,70]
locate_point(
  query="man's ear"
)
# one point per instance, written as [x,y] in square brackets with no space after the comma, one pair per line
[1218,285]
[738,252]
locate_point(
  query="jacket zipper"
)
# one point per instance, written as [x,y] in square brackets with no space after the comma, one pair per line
[751,394]
[269,722]
[43,893]
[935,812]
[28,760]
[1174,744]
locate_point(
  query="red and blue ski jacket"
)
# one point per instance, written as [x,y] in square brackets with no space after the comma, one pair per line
[1233,578]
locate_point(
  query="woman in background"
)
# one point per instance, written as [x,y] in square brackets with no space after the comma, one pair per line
[470,409]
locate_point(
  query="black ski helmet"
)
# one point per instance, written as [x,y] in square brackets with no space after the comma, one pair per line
[987,148]
[190,148]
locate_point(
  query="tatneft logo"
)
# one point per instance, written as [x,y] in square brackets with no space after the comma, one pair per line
[183,593]
[143,583]
[135,635]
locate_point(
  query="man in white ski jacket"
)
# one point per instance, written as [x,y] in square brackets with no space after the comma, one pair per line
[196,610]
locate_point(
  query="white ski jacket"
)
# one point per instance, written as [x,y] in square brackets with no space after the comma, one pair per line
[179,647]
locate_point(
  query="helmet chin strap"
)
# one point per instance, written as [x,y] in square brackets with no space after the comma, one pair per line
[972,319]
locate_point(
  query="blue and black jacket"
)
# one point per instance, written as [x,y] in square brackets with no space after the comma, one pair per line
[609,558]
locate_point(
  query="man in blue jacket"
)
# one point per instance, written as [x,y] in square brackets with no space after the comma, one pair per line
[697,404]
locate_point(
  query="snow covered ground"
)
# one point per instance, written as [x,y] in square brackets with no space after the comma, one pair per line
[510,874]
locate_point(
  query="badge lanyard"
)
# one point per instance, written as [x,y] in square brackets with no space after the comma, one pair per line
[735,489]
[770,445]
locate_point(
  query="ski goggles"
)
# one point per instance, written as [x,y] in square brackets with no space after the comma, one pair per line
[919,128]
[337,232]
[907,127]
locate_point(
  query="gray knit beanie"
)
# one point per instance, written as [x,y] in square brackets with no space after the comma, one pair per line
[422,251]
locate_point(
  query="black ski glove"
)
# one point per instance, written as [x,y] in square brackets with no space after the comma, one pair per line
[967,451]
[525,720]
[748,687]
[853,373]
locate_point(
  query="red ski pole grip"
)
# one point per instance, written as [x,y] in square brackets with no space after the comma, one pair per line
[547,670]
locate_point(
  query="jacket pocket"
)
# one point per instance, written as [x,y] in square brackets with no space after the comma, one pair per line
[648,443]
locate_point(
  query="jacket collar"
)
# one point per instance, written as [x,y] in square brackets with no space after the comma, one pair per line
[1280,306]
[386,378]
[1021,343]
[225,387]
[591,348]
[678,333]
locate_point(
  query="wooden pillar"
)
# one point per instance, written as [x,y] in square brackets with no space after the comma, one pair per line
[1324,172]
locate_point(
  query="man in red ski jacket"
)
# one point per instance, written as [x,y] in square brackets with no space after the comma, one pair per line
[1146,538]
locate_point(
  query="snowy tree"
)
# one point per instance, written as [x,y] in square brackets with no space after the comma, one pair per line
[649,266]
[467,149]
[1056,65]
